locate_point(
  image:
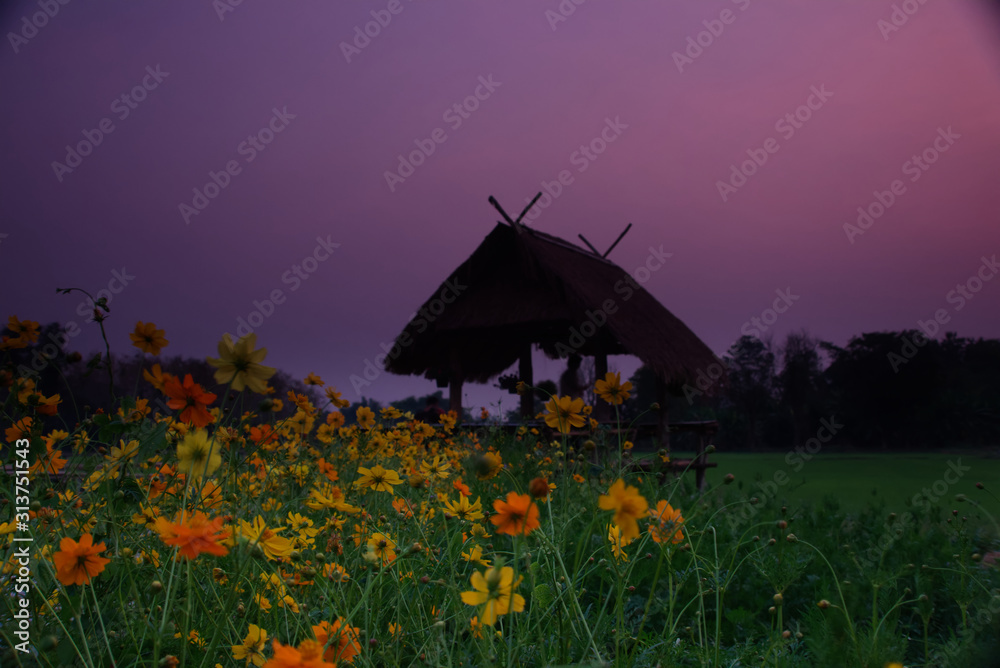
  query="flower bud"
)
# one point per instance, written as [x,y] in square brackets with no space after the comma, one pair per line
[539,488]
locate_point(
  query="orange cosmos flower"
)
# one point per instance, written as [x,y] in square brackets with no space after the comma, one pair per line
[263,435]
[462,488]
[403,507]
[77,563]
[156,377]
[194,535]
[308,655]
[666,520]
[629,506]
[192,398]
[52,462]
[25,331]
[148,338]
[516,515]
[18,430]
[335,419]
[341,641]
[327,469]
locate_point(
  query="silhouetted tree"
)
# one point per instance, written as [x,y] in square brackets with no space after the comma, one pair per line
[752,383]
[800,383]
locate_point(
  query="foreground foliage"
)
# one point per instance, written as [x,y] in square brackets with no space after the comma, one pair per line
[222,535]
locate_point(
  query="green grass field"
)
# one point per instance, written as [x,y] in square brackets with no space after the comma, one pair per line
[857,480]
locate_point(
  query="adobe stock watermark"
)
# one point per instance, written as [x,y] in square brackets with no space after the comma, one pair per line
[755,326]
[963,293]
[428,314]
[924,499]
[250,148]
[796,460]
[625,288]
[562,12]
[30,25]
[363,35]
[122,106]
[455,116]
[899,17]
[696,44]
[787,125]
[915,167]
[223,7]
[581,158]
[979,621]
[293,276]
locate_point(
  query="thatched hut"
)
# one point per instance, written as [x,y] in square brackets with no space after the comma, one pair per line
[522,287]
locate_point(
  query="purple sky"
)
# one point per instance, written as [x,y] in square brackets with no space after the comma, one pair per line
[324,173]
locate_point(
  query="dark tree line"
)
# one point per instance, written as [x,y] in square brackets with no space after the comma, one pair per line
[85,385]
[889,390]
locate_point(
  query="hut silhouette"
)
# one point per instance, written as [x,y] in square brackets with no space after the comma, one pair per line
[522,288]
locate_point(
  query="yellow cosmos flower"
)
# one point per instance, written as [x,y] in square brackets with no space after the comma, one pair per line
[495,592]
[437,468]
[617,542]
[377,479]
[464,510]
[198,455]
[612,390]
[240,364]
[564,413]
[629,506]
[258,533]
[124,453]
[366,418]
[252,648]
[475,555]
[147,338]
[381,549]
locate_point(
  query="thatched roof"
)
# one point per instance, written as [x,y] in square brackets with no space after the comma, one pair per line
[528,287]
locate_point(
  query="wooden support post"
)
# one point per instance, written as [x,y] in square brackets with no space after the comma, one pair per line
[525,373]
[455,396]
[699,462]
[663,423]
[603,411]
[455,386]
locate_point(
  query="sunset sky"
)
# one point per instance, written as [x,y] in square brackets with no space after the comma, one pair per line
[339,110]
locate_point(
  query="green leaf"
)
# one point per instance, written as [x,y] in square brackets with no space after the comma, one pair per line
[543,595]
